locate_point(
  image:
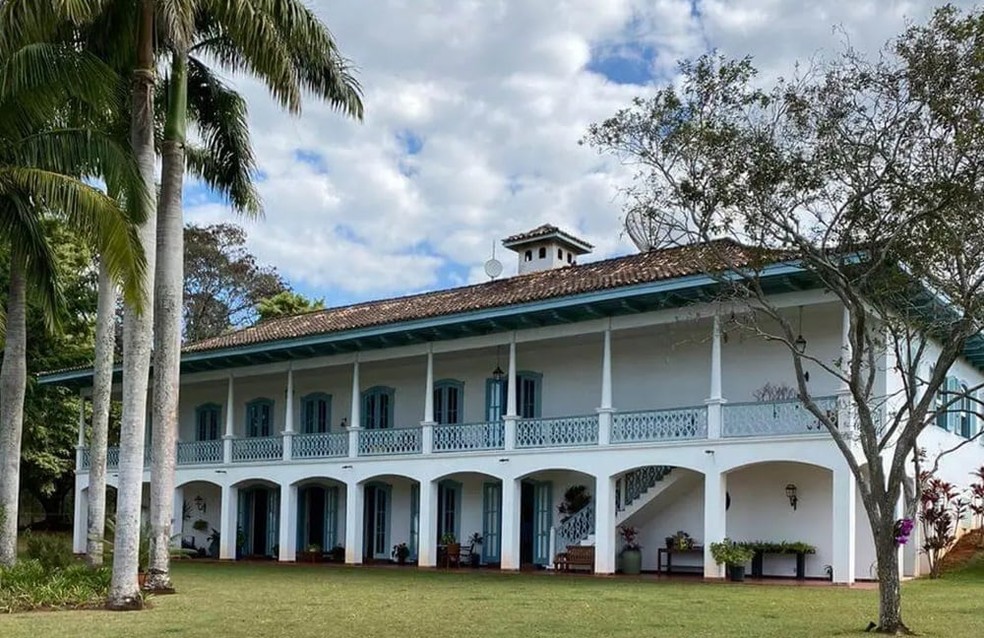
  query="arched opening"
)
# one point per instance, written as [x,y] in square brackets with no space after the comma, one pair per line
[665,505]
[257,519]
[390,515]
[321,519]
[201,518]
[555,511]
[784,507]
[469,519]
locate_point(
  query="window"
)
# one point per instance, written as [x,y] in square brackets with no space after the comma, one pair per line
[527,399]
[560,254]
[207,418]
[448,395]
[543,252]
[528,255]
[316,413]
[377,408]
[570,258]
[259,417]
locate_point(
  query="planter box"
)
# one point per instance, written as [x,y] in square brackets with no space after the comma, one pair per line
[309,557]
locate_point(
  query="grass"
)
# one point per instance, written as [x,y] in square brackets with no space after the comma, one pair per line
[251,600]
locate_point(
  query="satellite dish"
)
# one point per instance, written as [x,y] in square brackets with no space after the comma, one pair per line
[493,268]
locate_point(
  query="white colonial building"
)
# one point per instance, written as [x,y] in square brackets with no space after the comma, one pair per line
[475,409]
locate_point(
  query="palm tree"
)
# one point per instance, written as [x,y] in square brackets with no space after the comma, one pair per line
[102,386]
[286,45]
[46,161]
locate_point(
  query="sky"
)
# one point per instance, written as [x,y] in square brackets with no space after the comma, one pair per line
[474,110]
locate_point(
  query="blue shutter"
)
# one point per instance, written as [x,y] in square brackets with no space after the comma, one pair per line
[331,518]
[953,409]
[414,521]
[303,508]
[491,522]
[242,520]
[273,520]
[542,521]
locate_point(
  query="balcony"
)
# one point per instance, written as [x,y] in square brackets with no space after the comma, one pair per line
[776,418]
[646,427]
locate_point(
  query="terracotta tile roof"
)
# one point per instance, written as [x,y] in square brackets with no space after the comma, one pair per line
[538,286]
[544,231]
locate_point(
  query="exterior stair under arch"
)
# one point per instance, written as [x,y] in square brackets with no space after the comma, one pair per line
[634,490]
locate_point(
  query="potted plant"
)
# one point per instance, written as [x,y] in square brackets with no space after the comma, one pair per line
[631,554]
[400,553]
[733,556]
[311,554]
[337,554]
[682,541]
[475,556]
[213,543]
[240,543]
[451,548]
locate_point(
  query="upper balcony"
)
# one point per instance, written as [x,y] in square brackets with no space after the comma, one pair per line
[650,379]
[643,427]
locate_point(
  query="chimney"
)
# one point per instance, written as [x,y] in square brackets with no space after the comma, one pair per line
[546,247]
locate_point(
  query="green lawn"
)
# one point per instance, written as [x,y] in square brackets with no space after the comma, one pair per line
[219,600]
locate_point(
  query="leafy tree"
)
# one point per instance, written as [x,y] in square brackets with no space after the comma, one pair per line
[286,303]
[45,160]
[50,413]
[284,44]
[223,284]
[868,174]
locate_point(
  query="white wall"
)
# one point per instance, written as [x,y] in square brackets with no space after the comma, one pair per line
[760,510]
[209,511]
[661,366]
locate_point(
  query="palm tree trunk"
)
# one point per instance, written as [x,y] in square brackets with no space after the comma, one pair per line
[102,387]
[138,328]
[13,381]
[168,289]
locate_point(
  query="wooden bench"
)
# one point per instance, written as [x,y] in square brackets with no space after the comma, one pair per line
[575,556]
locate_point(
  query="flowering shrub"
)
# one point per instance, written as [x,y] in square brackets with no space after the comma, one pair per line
[630,537]
[977,497]
[941,510]
[903,529]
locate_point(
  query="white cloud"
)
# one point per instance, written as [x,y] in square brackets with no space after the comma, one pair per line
[498,94]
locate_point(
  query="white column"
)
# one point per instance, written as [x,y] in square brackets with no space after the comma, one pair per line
[605,525]
[427,540]
[511,513]
[227,523]
[177,517]
[510,417]
[427,425]
[715,400]
[429,388]
[289,410]
[843,524]
[605,411]
[288,432]
[288,523]
[355,419]
[81,440]
[80,522]
[230,424]
[715,518]
[354,497]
